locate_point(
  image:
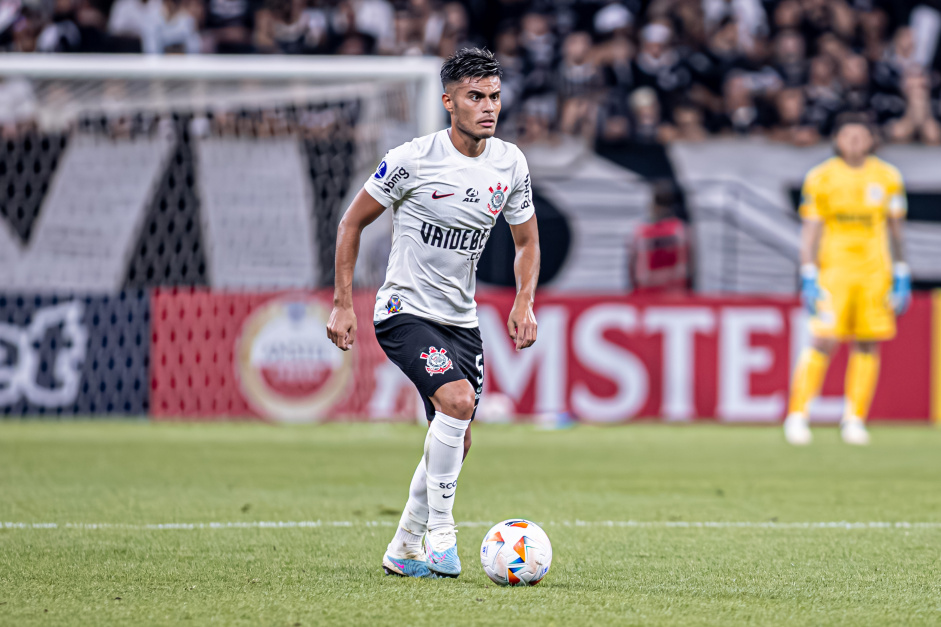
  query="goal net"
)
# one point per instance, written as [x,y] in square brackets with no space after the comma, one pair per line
[124,178]
[124,172]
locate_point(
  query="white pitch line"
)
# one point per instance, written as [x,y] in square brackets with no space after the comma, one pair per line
[313,524]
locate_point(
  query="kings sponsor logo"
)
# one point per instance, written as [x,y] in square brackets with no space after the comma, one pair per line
[287,368]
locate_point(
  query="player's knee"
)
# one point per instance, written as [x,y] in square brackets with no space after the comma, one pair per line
[463,406]
[457,401]
[870,348]
[825,345]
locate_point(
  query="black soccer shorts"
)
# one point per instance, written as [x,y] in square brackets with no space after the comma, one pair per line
[432,354]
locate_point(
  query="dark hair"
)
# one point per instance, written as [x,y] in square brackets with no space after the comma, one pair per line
[854,117]
[469,63]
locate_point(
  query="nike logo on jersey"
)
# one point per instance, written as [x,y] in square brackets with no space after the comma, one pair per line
[436,195]
[447,496]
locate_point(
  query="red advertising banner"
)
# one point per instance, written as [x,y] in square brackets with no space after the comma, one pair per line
[603,359]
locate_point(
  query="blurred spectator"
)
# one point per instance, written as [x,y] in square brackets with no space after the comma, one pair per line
[687,124]
[659,256]
[659,65]
[583,67]
[375,19]
[230,25]
[748,17]
[918,122]
[793,124]
[789,60]
[741,115]
[133,18]
[507,52]
[854,74]
[539,46]
[648,126]
[824,99]
[289,27]
[616,58]
[579,84]
[614,20]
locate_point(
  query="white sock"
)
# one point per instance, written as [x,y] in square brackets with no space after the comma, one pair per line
[444,453]
[414,521]
[415,517]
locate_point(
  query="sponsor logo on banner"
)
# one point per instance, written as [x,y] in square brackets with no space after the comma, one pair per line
[20,360]
[288,370]
[600,359]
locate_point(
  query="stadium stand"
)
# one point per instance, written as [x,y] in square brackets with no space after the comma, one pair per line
[615,71]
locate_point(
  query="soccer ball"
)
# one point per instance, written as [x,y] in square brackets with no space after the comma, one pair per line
[516,552]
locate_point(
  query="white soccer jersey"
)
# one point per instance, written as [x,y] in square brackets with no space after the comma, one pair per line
[444,205]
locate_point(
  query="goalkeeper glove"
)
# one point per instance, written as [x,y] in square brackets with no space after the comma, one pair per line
[901,288]
[810,289]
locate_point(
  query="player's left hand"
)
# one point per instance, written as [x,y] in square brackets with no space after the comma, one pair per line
[901,288]
[522,325]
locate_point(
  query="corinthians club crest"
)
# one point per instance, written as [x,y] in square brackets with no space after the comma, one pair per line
[497,199]
[436,362]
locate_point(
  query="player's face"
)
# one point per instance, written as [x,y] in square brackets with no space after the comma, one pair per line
[474,105]
[854,141]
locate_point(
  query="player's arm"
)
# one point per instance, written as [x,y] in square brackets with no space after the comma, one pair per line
[901,275]
[811,234]
[363,211]
[522,321]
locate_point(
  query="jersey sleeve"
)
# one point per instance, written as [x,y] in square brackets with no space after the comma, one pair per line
[812,204]
[519,206]
[898,202]
[395,178]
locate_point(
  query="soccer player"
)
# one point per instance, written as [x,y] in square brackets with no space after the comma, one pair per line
[854,280]
[446,191]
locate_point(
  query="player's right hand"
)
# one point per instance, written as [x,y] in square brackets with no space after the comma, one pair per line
[810,288]
[341,327]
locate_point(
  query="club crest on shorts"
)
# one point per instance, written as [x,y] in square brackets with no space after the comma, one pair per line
[497,199]
[436,362]
[394,305]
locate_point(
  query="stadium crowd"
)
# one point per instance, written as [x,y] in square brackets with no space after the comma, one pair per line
[614,70]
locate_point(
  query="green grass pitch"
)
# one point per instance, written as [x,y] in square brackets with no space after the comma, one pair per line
[133,474]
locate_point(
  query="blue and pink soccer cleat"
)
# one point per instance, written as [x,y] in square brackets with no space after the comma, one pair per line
[406,568]
[442,552]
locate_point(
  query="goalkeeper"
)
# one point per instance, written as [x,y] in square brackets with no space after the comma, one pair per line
[854,280]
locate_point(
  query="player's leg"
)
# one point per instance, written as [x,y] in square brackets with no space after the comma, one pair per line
[416,347]
[454,400]
[805,386]
[444,456]
[874,323]
[405,554]
[862,373]
[827,326]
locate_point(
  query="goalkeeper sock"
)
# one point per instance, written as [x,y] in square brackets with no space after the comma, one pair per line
[808,379]
[862,373]
[444,452]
